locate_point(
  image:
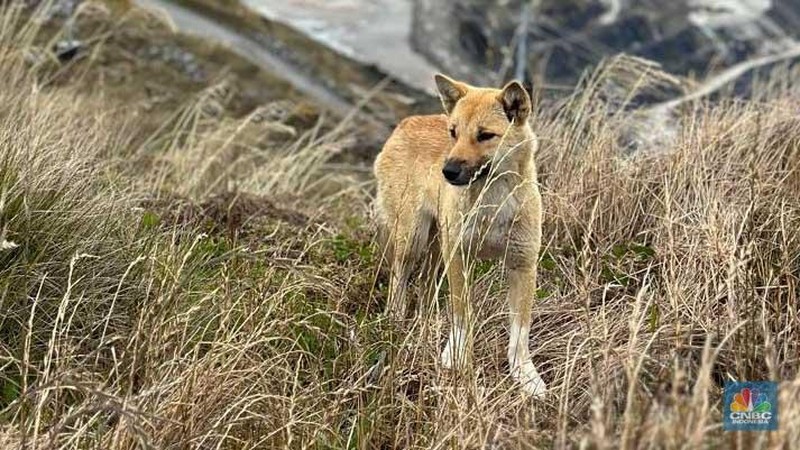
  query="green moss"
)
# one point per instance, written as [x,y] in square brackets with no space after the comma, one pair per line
[150,220]
[346,248]
[546,261]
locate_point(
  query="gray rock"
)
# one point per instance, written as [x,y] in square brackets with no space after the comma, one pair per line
[67,49]
[56,9]
[181,60]
[475,39]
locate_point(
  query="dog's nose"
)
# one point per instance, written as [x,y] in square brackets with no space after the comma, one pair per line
[451,171]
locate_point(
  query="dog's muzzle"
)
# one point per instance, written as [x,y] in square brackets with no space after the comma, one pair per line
[459,173]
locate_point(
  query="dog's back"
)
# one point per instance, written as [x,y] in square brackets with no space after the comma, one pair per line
[408,167]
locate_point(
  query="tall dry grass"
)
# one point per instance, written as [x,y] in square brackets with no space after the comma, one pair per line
[168,295]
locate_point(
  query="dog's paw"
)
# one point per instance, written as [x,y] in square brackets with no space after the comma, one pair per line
[454,355]
[447,358]
[528,377]
[453,359]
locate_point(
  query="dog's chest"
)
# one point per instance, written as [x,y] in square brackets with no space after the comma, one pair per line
[489,226]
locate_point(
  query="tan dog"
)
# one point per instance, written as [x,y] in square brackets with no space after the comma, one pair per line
[470,176]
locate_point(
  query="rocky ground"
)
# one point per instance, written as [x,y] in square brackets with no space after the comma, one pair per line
[480,41]
[564,39]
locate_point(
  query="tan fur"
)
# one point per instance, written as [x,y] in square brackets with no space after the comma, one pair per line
[494,217]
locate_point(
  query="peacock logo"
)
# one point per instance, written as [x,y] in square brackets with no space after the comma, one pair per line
[748,400]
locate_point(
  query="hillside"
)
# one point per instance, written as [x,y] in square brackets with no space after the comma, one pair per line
[188,260]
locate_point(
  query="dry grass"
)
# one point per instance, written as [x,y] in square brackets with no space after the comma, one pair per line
[164,295]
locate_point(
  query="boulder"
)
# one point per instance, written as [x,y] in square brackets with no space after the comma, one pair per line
[477,40]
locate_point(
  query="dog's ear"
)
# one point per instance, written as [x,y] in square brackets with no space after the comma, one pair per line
[450,91]
[516,102]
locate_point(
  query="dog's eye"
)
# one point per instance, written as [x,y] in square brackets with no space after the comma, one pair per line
[486,136]
[453,132]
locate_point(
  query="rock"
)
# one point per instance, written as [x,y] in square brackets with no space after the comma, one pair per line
[66,50]
[182,60]
[783,74]
[472,39]
[55,9]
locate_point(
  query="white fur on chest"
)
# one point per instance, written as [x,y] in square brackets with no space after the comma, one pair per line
[488,223]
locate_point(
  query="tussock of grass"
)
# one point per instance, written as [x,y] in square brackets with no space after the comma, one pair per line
[202,288]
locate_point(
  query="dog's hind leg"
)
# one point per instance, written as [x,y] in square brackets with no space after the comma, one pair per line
[432,263]
[410,238]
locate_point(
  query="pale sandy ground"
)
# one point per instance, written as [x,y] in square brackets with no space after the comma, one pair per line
[370,31]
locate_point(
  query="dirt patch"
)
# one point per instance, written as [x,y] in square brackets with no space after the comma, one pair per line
[234,214]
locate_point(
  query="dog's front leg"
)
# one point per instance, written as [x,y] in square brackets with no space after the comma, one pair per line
[522,289]
[458,350]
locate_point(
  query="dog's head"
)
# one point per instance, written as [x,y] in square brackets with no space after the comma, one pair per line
[483,124]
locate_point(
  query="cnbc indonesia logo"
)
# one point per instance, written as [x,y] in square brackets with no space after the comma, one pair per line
[751,406]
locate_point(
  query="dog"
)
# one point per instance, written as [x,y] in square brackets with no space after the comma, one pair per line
[466,182]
